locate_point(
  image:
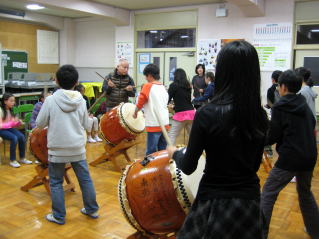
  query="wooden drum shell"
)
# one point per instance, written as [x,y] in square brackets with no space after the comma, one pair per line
[112,129]
[151,198]
[38,145]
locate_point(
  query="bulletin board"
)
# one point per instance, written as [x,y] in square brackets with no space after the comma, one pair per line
[14,61]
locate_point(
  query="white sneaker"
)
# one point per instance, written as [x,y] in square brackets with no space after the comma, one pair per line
[25,161]
[93,215]
[15,164]
[90,140]
[36,162]
[51,218]
[293,180]
[97,139]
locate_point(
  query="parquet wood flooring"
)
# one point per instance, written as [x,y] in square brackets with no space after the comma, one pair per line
[22,213]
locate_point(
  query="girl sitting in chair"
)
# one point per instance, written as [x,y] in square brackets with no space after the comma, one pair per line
[8,131]
[93,121]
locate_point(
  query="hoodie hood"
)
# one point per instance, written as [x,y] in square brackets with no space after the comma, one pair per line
[309,91]
[67,100]
[292,103]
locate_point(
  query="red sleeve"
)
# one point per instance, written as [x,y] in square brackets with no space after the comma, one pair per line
[144,95]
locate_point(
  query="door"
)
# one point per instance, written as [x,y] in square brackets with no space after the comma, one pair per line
[143,59]
[167,62]
[174,60]
[310,59]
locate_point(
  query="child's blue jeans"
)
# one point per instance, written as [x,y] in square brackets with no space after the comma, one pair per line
[155,142]
[56,174]
[14,136]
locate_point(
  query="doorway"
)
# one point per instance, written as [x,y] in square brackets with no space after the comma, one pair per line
[310,60]
[167,62]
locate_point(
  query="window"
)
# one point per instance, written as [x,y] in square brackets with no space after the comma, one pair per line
[308,34]
[167,38]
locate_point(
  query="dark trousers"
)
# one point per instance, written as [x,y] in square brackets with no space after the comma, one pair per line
[14,136]
[276,181]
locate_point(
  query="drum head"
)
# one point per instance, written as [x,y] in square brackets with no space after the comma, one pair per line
[136,125]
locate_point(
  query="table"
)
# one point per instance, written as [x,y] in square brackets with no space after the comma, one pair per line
[89,88]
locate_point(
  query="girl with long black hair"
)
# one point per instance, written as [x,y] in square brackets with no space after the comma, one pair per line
[8,131]
[232,130]
[180,91]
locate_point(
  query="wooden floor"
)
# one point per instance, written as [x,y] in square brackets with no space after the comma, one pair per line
[22,213]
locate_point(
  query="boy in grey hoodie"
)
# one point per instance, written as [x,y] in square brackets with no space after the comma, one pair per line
[65,115]
[306,90]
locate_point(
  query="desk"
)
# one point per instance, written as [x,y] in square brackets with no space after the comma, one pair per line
[26,96]
[89,88]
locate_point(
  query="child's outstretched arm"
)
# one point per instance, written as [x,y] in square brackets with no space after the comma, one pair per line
[42,120]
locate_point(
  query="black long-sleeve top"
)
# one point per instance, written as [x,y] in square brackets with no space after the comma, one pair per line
[292,127]
[231,161]
[181,97]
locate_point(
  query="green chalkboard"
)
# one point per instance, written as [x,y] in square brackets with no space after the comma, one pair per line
[14,61]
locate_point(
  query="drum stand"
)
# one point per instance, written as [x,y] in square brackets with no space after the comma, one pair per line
[111,152]
[43,178]
[140,235]
[266,162]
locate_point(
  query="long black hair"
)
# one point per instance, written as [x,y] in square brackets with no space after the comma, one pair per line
[180,79]
[237,80]
[5,97]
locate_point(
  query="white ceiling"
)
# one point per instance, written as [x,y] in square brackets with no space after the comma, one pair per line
[60,12]
[125,4]
[151,4]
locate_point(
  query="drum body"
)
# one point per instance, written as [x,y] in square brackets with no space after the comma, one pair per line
[119,124]
[38,145]
[154,197]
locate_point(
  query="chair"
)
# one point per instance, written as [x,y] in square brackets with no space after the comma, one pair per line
[27,126]
[22,109]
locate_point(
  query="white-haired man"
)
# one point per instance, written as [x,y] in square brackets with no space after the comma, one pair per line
[118,86]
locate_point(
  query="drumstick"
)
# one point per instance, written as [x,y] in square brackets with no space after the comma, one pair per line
[98,99]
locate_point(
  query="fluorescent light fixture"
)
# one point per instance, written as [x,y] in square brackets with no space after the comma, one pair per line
[34,7]
[153,31]
[315,30]
[184,36]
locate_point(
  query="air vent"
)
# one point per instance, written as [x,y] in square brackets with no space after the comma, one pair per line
[13,12]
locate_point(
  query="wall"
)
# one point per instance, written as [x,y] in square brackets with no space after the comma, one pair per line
[94,48]
[235,25]
[23,37]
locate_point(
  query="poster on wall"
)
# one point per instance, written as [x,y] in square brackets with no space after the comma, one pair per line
[273,44]
[207,51]
[124,50]
[225,41]
[47,47]
[143,60]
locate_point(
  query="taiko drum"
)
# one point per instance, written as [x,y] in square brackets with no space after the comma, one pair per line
[38,144]
[154,196]
[119,124]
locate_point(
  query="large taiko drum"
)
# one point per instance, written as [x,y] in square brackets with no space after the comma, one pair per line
[119,124]
[155,196]
[38,145]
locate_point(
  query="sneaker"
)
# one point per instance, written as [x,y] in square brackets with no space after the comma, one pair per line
[293,180]
[97,139]
[25,161]
[51,218]
[36,162]
[93,215]
[15,164]
[90,140]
